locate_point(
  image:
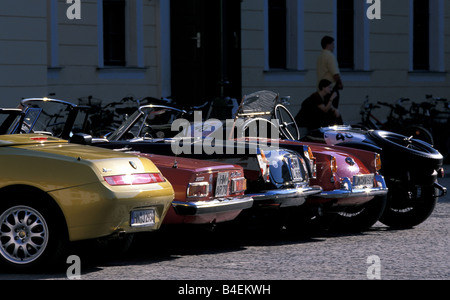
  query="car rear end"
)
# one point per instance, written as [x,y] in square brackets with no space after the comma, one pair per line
[288,180]
[348,179]
[206,192]
[99,191]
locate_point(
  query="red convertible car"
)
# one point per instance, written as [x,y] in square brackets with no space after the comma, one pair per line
[205,192]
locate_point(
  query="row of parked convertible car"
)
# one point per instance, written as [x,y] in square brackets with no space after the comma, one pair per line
[59,184]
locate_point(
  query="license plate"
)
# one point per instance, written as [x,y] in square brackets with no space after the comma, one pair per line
[363,181]
[143,218]
[295,168]
[222,185]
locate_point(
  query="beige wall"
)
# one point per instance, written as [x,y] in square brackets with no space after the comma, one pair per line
[43,52]
[387,77]
[80,73]
[23,68]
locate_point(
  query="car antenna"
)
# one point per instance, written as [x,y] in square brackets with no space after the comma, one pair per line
[175,163]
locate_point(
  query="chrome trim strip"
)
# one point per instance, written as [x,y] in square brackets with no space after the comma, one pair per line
[220,205]
[351,192]
[286,197]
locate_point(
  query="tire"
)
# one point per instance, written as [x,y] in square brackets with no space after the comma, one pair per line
[305,222]
[410,168]
[31,236]
[407,207]
[360,218]
[418,133]
[401,151]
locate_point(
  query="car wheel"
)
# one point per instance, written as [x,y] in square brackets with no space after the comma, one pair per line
[29,237]
[407,208]
[418,133]
[307,221]
[403,148]
[361,217]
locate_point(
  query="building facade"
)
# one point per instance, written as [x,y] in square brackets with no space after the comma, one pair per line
[200,50]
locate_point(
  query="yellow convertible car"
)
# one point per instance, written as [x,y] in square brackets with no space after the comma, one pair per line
[53,193]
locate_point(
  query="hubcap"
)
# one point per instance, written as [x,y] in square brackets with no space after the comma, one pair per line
[23,234]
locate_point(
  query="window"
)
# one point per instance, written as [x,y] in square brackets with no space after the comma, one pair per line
[352,35]
[345,34]
[277,34]
[284,35]
[52,33]
[421,35]
[114,37]
[427,30]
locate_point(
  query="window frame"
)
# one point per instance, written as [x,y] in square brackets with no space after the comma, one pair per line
[294,36]
[361,36]
[436,56]
[133,42]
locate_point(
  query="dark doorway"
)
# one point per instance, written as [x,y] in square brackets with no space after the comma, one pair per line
[205,50]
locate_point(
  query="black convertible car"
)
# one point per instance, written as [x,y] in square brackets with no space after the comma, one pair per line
[411,167]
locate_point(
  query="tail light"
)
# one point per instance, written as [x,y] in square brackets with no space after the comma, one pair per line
[441,173]
[134,179]
[377,162]
[312,162]
[333,168]
[333,164]
[238,185]
[198,190]
[263,165]
[39,138]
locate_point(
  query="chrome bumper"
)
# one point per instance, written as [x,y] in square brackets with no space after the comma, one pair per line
[286,197]
[348,191]
[221,205]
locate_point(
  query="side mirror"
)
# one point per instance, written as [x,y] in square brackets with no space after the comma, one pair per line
[81,138]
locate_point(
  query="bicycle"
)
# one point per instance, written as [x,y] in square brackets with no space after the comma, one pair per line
[434,114]
[396,120]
